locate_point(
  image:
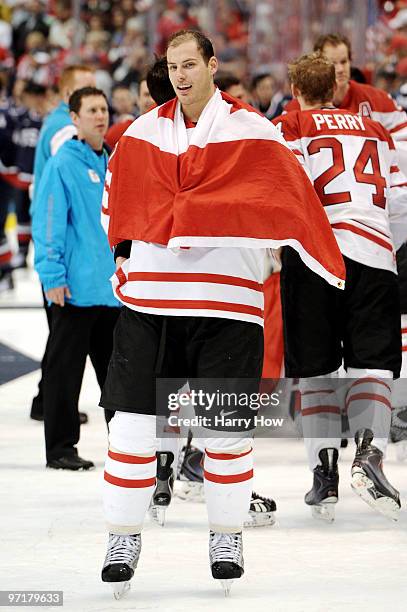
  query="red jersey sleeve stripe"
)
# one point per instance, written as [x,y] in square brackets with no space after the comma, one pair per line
[130,458]
[225,456]
[195,277]
[360,232]
[228,479]
[127,483]
[398,127]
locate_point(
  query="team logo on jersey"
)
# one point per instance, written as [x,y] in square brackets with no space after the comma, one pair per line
[365,110]
[94,177]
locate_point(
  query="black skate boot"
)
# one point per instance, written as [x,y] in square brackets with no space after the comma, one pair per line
[226,557]
[398,431]
[368,480]
[261,511]
[161,498]
[123,552]
[324,493]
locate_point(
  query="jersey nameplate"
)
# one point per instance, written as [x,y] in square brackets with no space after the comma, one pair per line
[335,122]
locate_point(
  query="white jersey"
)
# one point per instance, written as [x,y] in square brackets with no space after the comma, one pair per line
[201,282]
[352,163]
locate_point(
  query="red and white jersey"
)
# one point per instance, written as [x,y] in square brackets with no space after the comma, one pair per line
[368,101]
[202,282]
[352,163]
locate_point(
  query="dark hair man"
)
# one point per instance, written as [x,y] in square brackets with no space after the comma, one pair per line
[195,184]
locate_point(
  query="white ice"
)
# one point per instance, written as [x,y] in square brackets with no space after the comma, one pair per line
[52,534]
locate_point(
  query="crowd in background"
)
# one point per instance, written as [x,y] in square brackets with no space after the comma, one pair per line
[118,39]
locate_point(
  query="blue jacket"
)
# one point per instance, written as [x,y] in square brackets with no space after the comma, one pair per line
[56,129]
[71,247]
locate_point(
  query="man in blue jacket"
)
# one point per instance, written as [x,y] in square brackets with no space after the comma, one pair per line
[74,263]
[56,129]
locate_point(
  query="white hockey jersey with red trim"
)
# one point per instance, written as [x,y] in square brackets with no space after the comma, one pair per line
[353,165]
[374,103]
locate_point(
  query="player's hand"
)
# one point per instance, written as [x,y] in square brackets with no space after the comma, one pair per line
[119,262]
[57,295]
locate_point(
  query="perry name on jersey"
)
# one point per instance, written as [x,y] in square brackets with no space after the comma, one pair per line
[352,163]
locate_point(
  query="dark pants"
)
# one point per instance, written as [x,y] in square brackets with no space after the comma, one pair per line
[75,333]
[37,408]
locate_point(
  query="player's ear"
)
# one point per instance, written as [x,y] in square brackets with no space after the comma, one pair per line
[213,65]
[294,91]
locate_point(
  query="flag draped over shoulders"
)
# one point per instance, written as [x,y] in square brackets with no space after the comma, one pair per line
[234,183]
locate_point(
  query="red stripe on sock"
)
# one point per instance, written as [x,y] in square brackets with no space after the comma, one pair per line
[368,396]
[367,379]
[225,456]
[229,479]
[129,484]
[129,458]
[320,410]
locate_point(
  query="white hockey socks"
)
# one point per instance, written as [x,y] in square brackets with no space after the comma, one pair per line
[130,471]
[368,403]
[321,415]
[228,478]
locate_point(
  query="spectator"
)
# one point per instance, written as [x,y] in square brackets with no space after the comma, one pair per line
[229,83]
[262,92]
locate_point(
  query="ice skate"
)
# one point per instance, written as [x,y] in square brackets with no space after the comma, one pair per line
[122,556]
[324,494]
[162,495]
[262,511]
[368,480]
[398,432]
[190,474]
[226,558]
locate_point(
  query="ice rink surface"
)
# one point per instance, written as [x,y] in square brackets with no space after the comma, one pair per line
[52,534]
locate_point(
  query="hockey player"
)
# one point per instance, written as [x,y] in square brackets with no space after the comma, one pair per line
[360,98]
[352,162]
[197,184]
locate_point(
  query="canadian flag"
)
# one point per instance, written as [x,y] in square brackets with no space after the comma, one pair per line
[233,183]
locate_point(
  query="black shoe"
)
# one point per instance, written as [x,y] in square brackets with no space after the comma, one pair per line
[6,281]
[324,494]
[70,462]
[368,480]
[162,495]
[38,415]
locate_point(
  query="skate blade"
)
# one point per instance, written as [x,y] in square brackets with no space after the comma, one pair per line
[325,511]
[260,519]
[191,491]
[226,586]
[401,450]
[157,514]
[364,487]
[120,588]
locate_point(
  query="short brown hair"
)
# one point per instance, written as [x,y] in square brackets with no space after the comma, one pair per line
[203,43]
[68,74]
[75,101]
[314,76]
[334,40]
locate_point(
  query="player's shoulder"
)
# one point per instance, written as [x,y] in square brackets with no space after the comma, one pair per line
[379,100]
[288,122]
